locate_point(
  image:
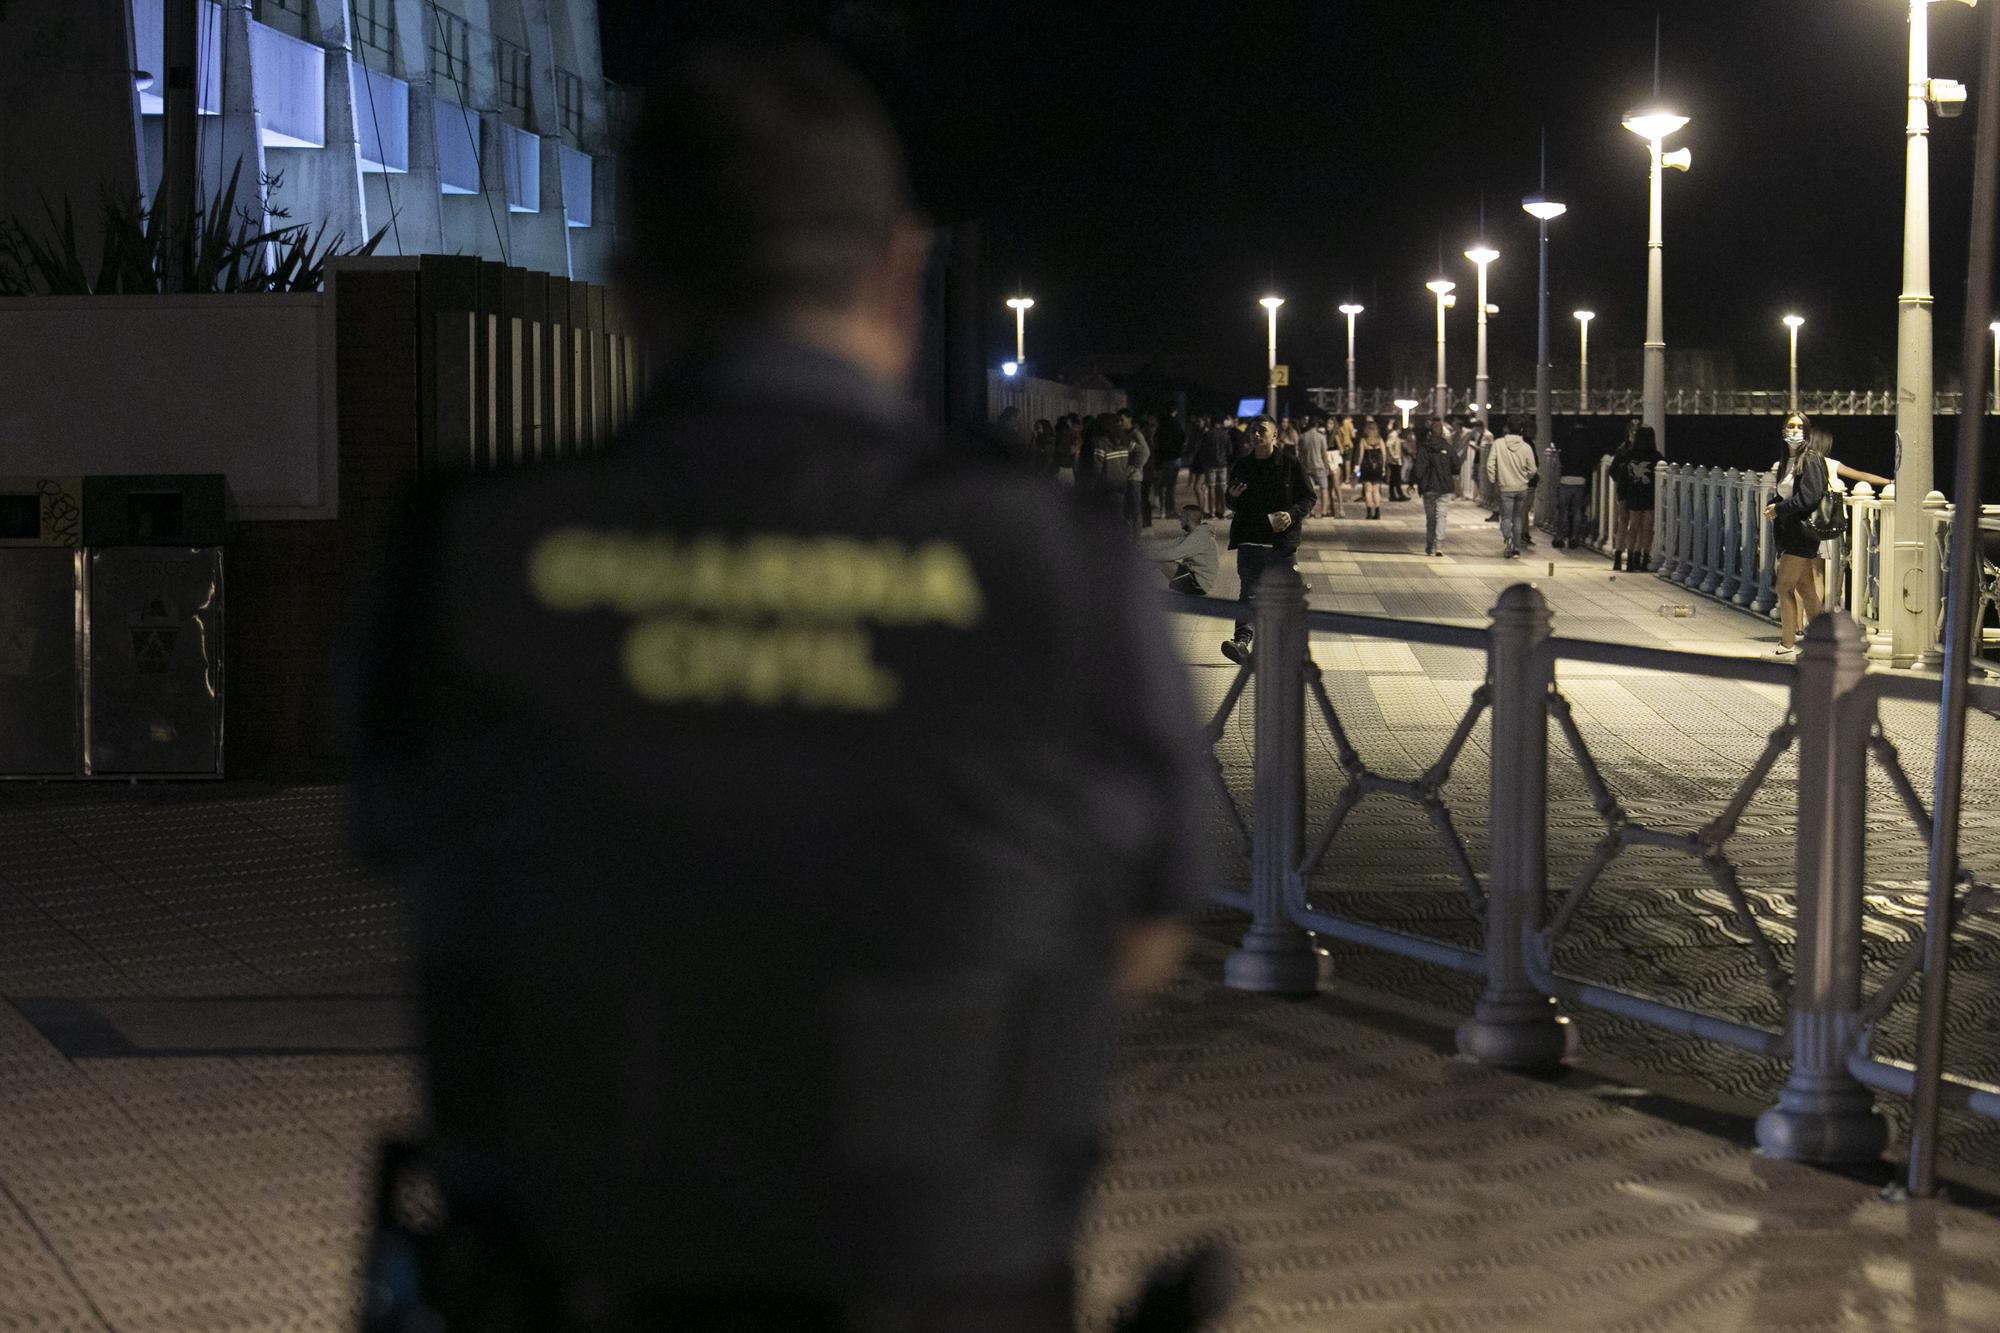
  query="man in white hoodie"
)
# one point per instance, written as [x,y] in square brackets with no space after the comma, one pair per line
[1510,468]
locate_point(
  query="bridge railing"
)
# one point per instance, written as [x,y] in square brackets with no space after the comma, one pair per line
[1628,403]
[1712,538]
[1803,938]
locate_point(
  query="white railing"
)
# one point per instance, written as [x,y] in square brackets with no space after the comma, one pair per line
[1712,538]
[1626,402]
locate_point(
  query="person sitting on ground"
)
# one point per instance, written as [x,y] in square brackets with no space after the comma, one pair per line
[1189,560]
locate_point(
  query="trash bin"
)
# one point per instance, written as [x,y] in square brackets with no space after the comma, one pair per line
[40,676]
[152,646]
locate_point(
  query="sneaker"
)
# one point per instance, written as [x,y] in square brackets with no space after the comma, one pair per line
[1782,653]
[1512,555]
[1236,650]
[1438,554]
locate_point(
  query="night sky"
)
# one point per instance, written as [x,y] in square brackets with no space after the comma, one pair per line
[1149,170]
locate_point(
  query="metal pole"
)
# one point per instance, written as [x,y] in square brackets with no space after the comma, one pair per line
[1993,394]
[1514,1025]
[1583,368]
[1654,407]
[1543,430]
[1021,335]
[1441,396]
[180,39]
[1908,592]
[1275,955]
[1479,372]
[1350,364]
[1271,370]
[1793,403]
[1960,627]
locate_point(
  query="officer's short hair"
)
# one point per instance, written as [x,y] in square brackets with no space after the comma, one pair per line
[760,180]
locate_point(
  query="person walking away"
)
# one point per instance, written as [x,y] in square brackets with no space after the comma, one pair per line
[1527,433]
[1313,456]
[1189,560]
[699,763]
[1633,477]
[1269,498]
[1795,526]
[1579,464]
[1169,449]
[1470,442]
[1510,470]
[1371,466]
[1396,458]
[1042,445]
[1618,457]
[1437,461]
[1221,457]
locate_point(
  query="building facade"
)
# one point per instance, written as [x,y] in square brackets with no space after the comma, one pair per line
[476,127]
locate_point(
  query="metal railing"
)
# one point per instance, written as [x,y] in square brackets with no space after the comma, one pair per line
[1711,537]
[1626,402]
[1809,958]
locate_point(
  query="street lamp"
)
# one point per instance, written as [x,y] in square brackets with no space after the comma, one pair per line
[1010,368]
[1583,318]
[1915,607]
[1406,405]
[1020,305]
[1482,255]
[1351,309]
[1440,397]
[1792,322]
[1544,211]
[1271,304]
[1654,124]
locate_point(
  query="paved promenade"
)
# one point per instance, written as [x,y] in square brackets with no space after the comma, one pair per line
[203,1033]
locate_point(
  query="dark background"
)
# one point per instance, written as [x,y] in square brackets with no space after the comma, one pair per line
[1149,170]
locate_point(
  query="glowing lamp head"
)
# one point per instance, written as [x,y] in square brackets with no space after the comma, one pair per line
[1482,255]
[1010,368]
[1351,309]
[1995,326]
[1653,122]
[1585,316]
[1272,302]
[1793,321]
[1440,285]
[1406,404]
[1543,210]
[1020,303]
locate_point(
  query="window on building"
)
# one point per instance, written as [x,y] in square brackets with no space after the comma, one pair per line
[374,31]
[569,105]
[451,44]
[513,74]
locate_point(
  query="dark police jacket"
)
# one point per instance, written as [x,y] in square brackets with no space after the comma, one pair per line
[772,792]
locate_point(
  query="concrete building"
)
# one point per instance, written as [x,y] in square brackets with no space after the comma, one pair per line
[477,127]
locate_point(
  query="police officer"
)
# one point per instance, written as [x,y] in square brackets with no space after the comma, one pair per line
[784,817]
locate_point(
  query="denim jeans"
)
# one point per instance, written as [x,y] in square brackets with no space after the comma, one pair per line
[1512,505]
[1437,507]
[1251,562]
[1573,512]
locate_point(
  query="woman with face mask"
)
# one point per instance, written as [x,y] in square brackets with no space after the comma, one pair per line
[1802,483]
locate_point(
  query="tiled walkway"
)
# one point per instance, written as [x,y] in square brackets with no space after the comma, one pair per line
[202,1036]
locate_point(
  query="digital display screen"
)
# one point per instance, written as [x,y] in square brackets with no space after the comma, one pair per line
[1250,407]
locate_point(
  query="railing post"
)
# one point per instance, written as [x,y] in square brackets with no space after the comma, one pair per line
[1937,519]
[1732,536]
[1750,523]
[1881,630]
[1275,955]
[1666,516]
[1711,569]
[1514,1025]
[1823,1114]
[1767,541]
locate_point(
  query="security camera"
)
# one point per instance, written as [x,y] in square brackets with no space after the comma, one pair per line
[1947,95]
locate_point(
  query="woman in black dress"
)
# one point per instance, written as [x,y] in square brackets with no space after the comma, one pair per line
[1371,467]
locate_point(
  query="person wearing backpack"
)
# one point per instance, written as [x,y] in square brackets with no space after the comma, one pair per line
[1632,478]
[1799,524]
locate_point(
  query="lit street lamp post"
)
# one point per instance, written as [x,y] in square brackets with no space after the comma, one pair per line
[1441,395]
[1543,211]
[1994,396]
[1351,309]
[1792,323]
[1482,255]
[1654,125]
[1406,406]
[1912,597]
[1021,305]
[1583,318]
[1271,304]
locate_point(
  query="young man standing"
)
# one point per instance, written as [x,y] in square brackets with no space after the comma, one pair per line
[1510,470]
[1437,475]
[1269,496]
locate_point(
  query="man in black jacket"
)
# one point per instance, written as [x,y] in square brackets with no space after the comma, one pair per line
[1269,498]
[1579,457]
[1436,476]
